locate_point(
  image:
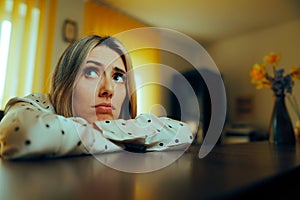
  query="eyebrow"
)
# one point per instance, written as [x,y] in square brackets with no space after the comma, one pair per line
[119,70]
[100,64]
[94,62]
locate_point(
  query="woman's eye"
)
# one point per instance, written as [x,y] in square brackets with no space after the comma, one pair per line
[119,77]
[91,73]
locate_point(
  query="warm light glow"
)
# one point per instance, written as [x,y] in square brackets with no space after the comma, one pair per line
[4,49]
[148,95]
[32,50]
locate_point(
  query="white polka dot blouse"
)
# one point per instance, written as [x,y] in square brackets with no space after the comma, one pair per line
[30,129]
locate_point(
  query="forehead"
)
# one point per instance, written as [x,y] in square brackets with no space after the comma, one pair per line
[105,56]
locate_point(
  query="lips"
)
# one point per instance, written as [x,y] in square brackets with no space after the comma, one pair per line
[104,108]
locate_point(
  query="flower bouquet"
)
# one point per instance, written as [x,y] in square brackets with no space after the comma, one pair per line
[277,80]
[268,75]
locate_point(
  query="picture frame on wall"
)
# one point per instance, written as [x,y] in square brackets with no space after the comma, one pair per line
[70,30]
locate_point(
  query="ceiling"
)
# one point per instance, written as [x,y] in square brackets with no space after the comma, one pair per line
[208,20]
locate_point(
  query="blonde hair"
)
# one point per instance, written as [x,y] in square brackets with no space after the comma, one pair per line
[67,69]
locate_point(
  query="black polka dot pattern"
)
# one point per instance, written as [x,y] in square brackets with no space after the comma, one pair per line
[59,135]
[159,133]
[27,142]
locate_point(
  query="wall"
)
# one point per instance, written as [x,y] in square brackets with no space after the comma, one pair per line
[236,56]
[66,9]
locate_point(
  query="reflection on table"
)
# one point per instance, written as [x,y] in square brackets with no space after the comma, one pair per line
[229,171]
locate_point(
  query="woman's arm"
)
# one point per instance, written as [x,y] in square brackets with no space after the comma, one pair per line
[30,129]
[156,133]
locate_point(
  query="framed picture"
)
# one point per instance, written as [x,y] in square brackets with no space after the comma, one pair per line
[70,30]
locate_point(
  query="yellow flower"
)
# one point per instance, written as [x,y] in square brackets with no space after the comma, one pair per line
[265,83]
[258,76]
[257,73]
[272,59]
[295,73]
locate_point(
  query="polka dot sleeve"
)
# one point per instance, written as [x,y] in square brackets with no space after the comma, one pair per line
[30,129]
[155,133]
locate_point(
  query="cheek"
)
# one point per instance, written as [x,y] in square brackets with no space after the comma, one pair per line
[83,92]
[87,87]
[119,95]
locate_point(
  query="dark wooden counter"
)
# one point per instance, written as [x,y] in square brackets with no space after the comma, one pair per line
[232,171]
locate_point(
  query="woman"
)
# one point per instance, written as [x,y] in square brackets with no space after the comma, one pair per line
[88,109]
[69,65]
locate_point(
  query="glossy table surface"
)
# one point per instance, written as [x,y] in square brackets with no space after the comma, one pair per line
[228,172]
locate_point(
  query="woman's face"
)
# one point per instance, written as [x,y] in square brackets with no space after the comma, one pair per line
[100,89]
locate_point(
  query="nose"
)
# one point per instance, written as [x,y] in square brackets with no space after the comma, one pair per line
[106,88]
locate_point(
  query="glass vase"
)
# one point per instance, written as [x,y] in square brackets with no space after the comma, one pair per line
[281,130]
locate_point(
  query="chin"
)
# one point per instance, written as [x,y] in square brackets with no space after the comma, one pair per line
[103,117]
